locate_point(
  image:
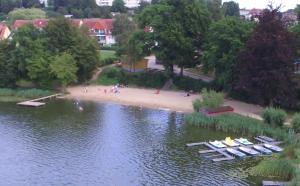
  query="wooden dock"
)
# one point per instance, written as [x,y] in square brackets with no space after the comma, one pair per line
[222,154]
[275,183]
[36,102]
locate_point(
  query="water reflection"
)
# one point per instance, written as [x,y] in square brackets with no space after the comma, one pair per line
[106,144]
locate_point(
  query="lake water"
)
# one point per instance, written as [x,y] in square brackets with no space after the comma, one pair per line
[107,144]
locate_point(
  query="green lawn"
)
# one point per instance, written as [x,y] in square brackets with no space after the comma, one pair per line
[105,54]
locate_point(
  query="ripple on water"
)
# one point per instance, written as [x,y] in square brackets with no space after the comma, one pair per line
[106,144]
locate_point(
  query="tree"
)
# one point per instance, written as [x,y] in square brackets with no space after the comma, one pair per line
[215,8]
[65,37]
[178,31]
[231,8]
[123,27]
[137,47]
[28,14]
[297,10]
[265,66]
[118,6]
[225,39]
[30,3]
[64,69]
[296,30]
[8,5]
[8,68]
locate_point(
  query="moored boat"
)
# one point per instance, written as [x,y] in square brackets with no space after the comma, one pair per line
[235,152]
[229,142]
[243,141]
[262,149]
[217,144]
[273,148]
[249,151]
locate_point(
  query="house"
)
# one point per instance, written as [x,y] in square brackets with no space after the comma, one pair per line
[289,17]
[139,66]
[128,3]
[250,14]
[99,28]
[4,32]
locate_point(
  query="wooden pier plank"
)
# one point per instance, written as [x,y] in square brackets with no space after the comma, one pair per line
[274,183]
[35,102]
[195,144]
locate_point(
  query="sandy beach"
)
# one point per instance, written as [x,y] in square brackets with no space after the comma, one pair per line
[172,100]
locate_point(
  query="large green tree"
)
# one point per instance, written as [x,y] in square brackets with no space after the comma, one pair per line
[65,37]
[225,39]
[118,6]
[215,8]
[8,67]
[123,27]
[297,10]
[178,30]
[265,66]
[231,8]
[64,69]
[26,13]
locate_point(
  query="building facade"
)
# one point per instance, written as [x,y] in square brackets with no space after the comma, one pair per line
[4,32]
[128,3]
[101,29]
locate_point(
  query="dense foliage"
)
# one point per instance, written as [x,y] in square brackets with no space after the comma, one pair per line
[296,122]
[265,69]
[236,124]
[274,116]
[231,8]
[114,75]
[27,14]
[225,40]
[60,53]
[211,98]
[178,29]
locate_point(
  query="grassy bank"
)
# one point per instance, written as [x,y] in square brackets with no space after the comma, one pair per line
[234,123]
[15,95]
[284,166]
[105,54]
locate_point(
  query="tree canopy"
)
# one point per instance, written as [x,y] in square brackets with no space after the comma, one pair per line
[26,13]
[265,66]
[231,8]
[118,6]
[59,53]
[225,39]
[178,30]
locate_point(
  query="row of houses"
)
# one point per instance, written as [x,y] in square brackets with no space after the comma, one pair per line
[101,29]
[289,16]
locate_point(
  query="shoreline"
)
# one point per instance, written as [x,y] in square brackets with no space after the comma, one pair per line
[165,100]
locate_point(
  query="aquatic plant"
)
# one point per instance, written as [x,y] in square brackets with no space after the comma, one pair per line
[274,116]
[237,124]
[276,168]
[25,93]
[296,122]
[197,105]
[211,98]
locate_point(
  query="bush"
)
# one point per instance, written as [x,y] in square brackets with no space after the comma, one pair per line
[234,123]
[212,99]
[278,168]
[107,61]
[187,84]
[274,116]
[197,105]
[6,92]
[296,122]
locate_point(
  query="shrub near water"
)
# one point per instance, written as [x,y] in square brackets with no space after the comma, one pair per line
[236,124]
[279,168]
[212,99]
[26,93]
[274,116]
[296,122]
[197,105]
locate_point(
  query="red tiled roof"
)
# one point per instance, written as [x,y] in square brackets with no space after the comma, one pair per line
[93,23]
[3,27]
[19,23]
